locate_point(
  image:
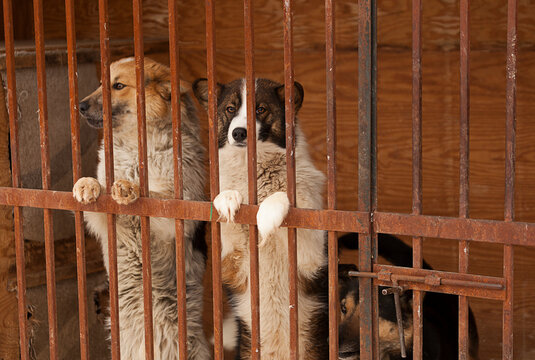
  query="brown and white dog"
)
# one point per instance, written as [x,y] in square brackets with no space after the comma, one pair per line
[274,205]
[126,190]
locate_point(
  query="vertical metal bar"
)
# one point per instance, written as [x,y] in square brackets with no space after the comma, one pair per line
[373,175]
[143,176]
[330,67]
[248,12]
[109,169]
[290,170]
[76,174]
[417,242]
[15,177]
[174,60]
[508,251]
[366,117]
[45,174]
[214,179]
[464,165]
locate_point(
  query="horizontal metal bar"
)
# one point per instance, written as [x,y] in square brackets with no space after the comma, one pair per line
[494,231]
[331,220]
[480,286]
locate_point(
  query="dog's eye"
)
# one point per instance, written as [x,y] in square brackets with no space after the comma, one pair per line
[260,110]
[231,109]
[343,307]
[118,86]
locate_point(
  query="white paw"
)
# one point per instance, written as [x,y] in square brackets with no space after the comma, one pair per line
[227,203]
[124,192]
[86,190]
[271,213]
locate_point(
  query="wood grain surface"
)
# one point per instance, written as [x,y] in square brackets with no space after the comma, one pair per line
[9,328]
[440,23]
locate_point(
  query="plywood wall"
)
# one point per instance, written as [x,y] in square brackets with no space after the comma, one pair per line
[440,109]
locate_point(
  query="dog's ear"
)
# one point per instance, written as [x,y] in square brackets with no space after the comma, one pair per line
[299,94]
[200,90]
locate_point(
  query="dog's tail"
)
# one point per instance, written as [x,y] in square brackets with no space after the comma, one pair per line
[390,247]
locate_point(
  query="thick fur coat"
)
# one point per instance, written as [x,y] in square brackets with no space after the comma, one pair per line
[162,230]
[273,241]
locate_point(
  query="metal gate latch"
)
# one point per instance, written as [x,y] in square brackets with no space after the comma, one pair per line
[396,290]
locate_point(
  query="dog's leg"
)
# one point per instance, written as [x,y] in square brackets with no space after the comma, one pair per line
[86,190]
[271,213]
[124,192]
[227,204]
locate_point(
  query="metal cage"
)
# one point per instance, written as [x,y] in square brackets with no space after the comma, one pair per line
[366,221]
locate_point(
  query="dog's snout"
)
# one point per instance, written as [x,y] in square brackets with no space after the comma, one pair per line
[83,106]
[239,134]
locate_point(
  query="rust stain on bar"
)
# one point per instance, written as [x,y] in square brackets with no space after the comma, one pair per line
[510,125]
[330,67]
[290,173]
[137,8]
[499,232]
[464,166]
[174,60]
[248,12]
[365,149]
[15,178]
[108,151]
[45,175]
[417,242]
[217,285]
[77,171]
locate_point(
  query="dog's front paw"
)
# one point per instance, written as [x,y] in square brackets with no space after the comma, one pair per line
[271,213]
[86,190]
[124,192]
[227,204]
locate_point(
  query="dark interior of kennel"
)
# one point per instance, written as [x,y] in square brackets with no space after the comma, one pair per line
[440,125]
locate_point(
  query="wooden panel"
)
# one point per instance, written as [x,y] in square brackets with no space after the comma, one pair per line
[9,328]
[440,23]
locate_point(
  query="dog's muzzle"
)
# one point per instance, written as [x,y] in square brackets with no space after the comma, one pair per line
[240,136]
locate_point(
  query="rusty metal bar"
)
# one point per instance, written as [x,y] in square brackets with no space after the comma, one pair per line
[498,232]
[489,231]
[329,220]
[174,60]
[417,242]
[15,177]
[366,119]
[248,12]
[290,174]
[373,175]
[45,175]
[510,126]
[464,153]
[330,67]
[76,174]
[109,170]
[137,8]
[214,179]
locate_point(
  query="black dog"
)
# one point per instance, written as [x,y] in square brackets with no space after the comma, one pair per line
[440,312]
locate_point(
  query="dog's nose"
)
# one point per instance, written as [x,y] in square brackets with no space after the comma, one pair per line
[84,106]
[239,134]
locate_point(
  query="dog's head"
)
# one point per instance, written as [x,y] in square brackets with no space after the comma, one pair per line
[123,95]
[232,110]
[349,329]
